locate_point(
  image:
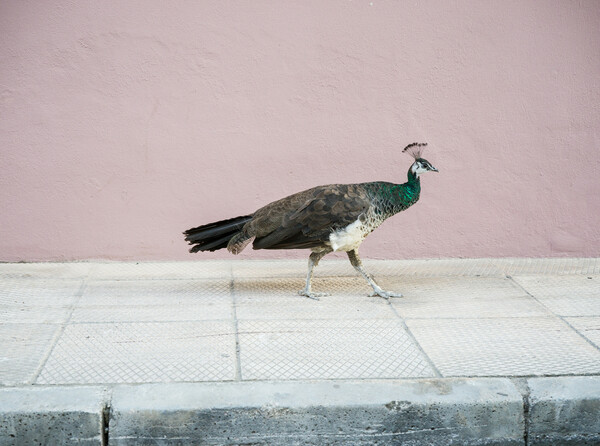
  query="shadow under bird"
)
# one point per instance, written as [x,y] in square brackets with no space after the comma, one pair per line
[335,217]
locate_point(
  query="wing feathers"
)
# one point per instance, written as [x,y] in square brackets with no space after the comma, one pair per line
[305,220]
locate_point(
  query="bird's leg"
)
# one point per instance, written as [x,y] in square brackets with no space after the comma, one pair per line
[377,290]
[313,261]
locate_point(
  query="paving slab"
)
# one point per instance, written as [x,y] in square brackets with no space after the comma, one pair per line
[439,412]
[142,352]
[505,346]
[38,300]
[548,266]
[588,327]
[52,416]
[278,299]
[23,350]
[437,267]
[461,297]
[575,295]
[154,300]
[46,270]
[329,349]
[341,268]
[161,270]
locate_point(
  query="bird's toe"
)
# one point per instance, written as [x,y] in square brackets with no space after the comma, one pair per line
[385,294]
[314,296]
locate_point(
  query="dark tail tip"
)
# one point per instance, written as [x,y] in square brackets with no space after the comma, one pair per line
[214,236]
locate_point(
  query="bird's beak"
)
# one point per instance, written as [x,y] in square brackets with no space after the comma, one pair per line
[433,169]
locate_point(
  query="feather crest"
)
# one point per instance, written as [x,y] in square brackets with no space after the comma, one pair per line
[415,149]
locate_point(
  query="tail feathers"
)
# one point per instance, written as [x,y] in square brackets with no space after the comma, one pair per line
[215,235]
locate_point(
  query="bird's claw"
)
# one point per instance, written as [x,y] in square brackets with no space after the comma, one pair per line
[314,296]
[385,294]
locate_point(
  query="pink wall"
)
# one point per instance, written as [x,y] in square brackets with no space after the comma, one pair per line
[124,123]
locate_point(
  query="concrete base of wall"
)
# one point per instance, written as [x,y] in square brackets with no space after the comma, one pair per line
[471,411]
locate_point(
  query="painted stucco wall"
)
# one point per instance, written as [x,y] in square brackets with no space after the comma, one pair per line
[123,123]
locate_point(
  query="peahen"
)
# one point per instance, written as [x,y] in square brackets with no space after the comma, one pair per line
[335,217]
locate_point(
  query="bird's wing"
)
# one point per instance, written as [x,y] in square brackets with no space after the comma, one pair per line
[306,219]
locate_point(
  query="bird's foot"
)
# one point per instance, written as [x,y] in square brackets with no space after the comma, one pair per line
[385,294]
[310,295]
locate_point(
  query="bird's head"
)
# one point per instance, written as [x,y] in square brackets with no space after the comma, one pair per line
[421,165]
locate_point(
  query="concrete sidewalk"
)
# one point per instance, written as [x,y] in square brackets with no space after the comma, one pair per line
[487,351]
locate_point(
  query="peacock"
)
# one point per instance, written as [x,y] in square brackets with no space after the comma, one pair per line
[334,217]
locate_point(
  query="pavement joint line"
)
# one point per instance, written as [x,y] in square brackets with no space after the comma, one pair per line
[561,318]
[238,361]
[111,385]
[597,347]
[526,412]
[60,331]
[105,415]
[416,343]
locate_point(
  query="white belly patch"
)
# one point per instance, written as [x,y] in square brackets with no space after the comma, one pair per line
[348,238]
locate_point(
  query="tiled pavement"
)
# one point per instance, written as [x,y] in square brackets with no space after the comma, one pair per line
[108,323]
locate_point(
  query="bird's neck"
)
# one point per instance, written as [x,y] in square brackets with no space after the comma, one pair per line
[408,193]
[394,198]
[413,177]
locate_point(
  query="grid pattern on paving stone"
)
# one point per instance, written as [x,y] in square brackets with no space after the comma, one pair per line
[576,295]
[162,270]
[560,266]
[69,270]
[433,267]
[279,299]
[37,300]
[329,349]
[174,321]
[154,300]
[461,297]
[332,267]
[504,346]
[588,327]
[23,349]
[142,352]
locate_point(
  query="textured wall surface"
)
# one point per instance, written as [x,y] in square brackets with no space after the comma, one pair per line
[124,123]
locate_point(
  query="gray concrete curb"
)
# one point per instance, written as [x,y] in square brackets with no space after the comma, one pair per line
[53,415]
[470,411]
[352,413]
[564,411]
